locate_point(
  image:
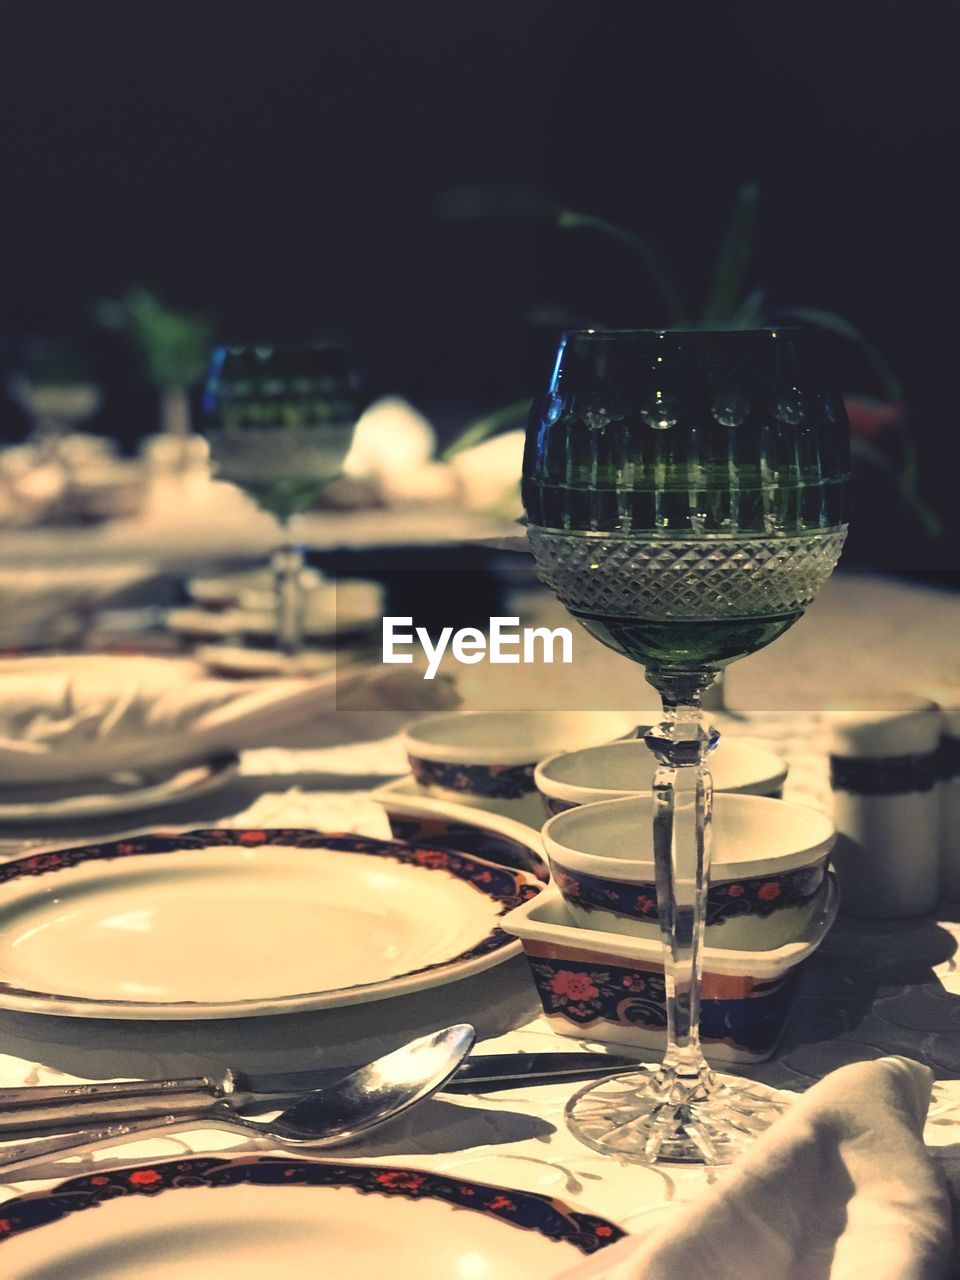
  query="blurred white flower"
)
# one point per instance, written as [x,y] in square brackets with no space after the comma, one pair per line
[488,475]
[390,437]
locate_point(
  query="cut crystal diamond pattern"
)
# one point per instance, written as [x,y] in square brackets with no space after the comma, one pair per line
[702,578]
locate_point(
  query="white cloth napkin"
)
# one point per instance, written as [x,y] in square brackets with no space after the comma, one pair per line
[840,1188]
[338,811]
[74,718]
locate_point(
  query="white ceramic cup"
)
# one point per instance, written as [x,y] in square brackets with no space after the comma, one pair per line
[950,795]
[947,698]
[487,758]
[769,862]
[620,769]
[886,804]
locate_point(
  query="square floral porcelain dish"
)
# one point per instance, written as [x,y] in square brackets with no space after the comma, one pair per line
[618,769]
[424,820]
[487,758]
[769,861]
[608,987]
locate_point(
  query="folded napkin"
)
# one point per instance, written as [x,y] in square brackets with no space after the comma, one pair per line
[840,1188]
[70,719]
[351,811]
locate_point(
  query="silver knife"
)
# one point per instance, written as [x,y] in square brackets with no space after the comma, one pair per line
[42,1107]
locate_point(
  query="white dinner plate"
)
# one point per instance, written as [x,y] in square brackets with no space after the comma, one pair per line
[220,590]
[239,661]
[118,667]
[227,923]
[254,1217]
[331,610]
[120,793]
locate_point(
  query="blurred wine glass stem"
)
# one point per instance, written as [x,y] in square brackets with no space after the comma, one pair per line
[682,806]
[49,432]
[287,564]
[175,411]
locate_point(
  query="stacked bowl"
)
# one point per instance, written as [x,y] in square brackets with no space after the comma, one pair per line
[592,938]
[471,782]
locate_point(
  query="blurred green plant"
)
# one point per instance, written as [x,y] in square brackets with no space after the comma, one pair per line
[173,345]
[730,302]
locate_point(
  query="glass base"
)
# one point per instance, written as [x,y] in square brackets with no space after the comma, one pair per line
[653,1117]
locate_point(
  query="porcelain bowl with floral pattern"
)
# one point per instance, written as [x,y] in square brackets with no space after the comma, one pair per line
[607,987]
[487,758]
[769,862]
[618,769]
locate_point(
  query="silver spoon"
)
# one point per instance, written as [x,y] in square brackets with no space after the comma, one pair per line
[325,1118]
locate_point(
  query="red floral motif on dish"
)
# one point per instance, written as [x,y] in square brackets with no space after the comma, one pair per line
[567,883]
[433,858]
[501,1202]
[575,986]
[41,862]
[767,892]
[400,1180]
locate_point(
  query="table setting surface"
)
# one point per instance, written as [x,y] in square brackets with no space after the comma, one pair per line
[873,990]
[479,679]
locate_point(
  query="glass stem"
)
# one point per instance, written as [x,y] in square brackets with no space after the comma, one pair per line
[287,565]
[682,806]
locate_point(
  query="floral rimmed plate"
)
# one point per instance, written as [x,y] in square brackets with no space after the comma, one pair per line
[287,1218]
[226,923]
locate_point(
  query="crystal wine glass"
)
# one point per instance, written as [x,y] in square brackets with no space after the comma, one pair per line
[280,422]
[686,495]
[54,386]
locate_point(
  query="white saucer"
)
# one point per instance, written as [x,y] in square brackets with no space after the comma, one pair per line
[121,793]
[238,661]
[221,590]
[348,606]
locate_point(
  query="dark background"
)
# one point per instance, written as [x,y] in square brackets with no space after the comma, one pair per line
[281,163]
